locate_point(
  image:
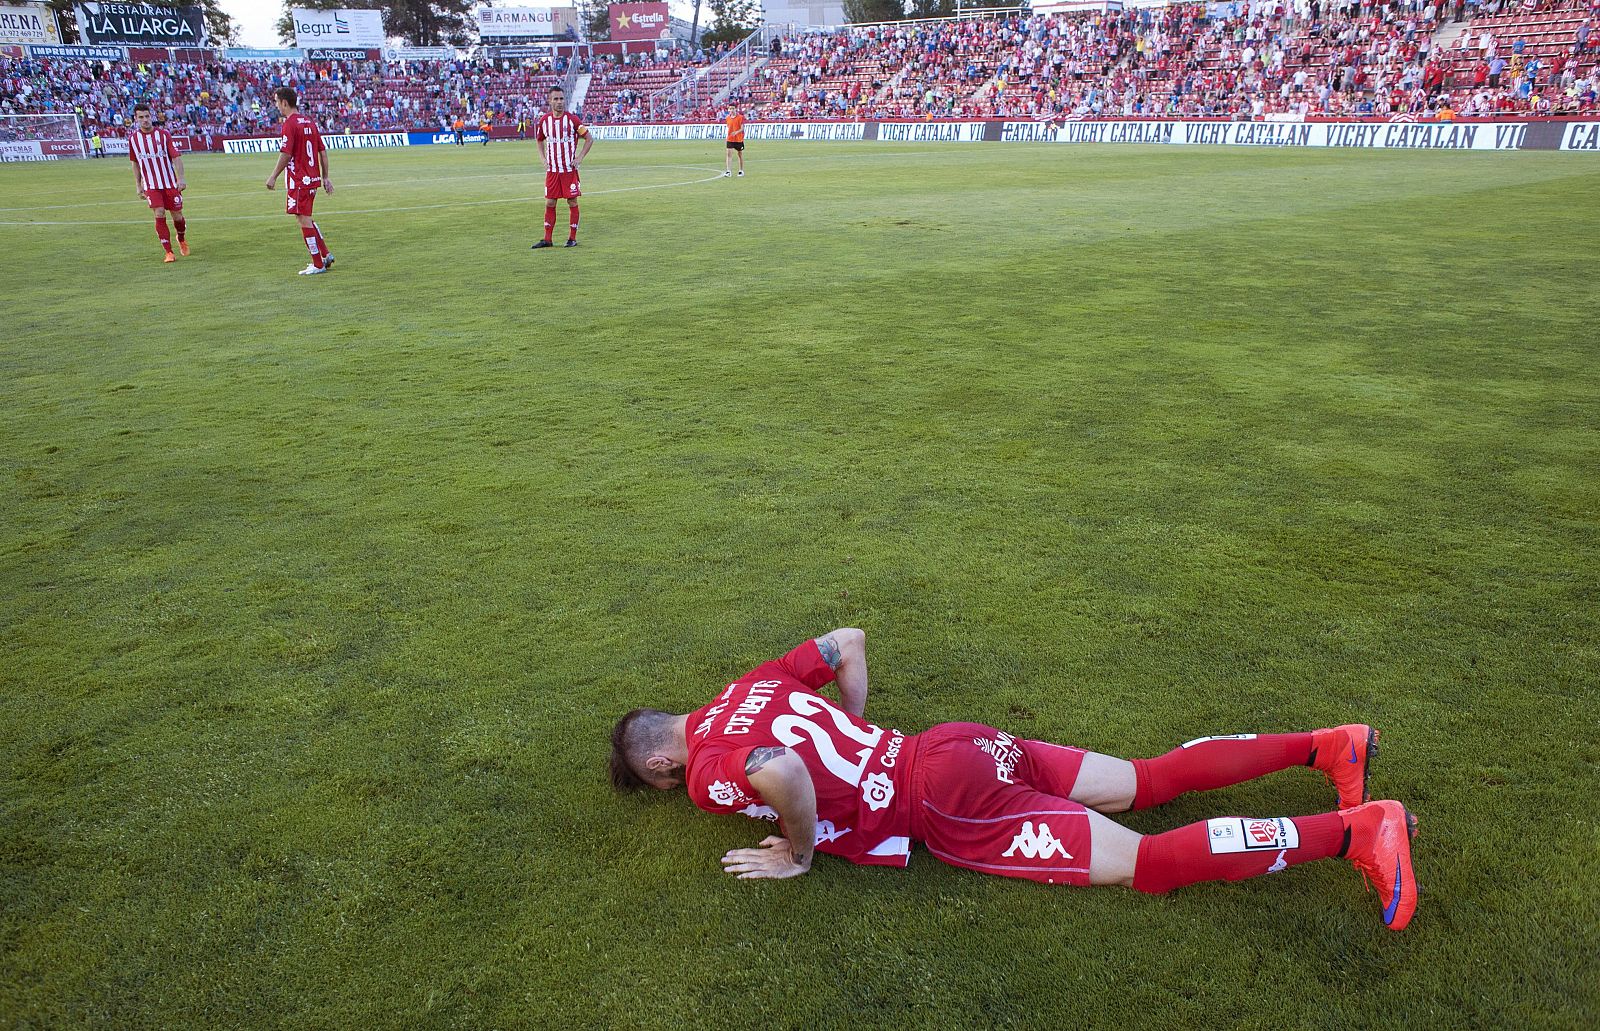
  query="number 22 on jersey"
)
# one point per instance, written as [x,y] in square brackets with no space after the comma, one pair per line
[792,730]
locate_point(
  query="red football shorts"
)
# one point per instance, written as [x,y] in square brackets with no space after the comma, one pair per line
[990,802]
[561,186]
[169,200]
[299,199]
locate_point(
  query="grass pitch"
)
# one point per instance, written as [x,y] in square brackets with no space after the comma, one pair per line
[321,595]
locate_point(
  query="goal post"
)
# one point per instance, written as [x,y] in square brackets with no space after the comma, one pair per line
[41,137]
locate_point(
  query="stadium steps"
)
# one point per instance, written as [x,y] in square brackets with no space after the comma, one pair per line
[580,90]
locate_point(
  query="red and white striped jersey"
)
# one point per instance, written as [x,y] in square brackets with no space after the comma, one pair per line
[559,134]
[152,153]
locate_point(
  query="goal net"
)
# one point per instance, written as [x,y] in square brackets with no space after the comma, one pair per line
[41,138]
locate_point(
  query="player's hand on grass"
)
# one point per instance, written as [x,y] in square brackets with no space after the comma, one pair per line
[272,184]
[773,858]
[327,186]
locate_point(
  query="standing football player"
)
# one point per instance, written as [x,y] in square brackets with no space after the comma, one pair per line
[158,173]
[735,143]
[558,133]
[306,159]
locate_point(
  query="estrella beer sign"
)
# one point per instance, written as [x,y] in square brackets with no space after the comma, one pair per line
[639,21]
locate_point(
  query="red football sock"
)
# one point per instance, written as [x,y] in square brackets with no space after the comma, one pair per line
[179,224]
[322,244]
[1233,848]
[161,232]
[312,245]
[1215,762]
[572,230]
[549,222]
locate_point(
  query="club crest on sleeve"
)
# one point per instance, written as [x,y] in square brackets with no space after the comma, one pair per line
[877,790]
[726,792]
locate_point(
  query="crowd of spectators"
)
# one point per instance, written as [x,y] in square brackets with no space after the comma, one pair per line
[1297,57]
[1307,58]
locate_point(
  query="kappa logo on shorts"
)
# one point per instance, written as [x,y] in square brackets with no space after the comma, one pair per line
[1040,844]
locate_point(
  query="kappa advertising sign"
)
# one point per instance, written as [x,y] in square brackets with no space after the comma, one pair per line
[351,141]
[151,25]
[30,23]
[527,22]
[639,21]
[341,54]
[341,28]
[931,132]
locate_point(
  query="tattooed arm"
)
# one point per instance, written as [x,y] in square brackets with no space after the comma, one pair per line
[784,783]
[845,649]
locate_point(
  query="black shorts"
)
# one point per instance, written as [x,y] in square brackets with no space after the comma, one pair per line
[737,146]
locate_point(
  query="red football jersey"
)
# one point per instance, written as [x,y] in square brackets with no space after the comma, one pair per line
[303,143]
[858,770]
[559,134]
[152,153]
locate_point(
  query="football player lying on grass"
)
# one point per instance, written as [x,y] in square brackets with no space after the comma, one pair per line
[770,747]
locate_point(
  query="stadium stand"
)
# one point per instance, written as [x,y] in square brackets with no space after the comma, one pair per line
[1361,58]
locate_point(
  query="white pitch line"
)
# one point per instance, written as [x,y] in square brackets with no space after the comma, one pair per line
[500,175]
[381,211]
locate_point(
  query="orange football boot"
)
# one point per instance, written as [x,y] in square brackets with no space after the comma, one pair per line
[1380,847]
[170,257]
[183,248]
[1345,754]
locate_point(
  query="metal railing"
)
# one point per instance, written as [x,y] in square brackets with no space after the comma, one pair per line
[708,86]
